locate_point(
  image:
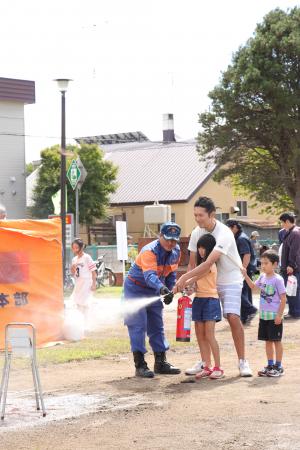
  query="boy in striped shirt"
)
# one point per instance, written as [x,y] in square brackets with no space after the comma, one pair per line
[272,304]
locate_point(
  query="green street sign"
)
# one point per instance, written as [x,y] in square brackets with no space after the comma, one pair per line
[73,174]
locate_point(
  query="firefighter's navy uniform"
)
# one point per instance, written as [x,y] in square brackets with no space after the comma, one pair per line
[153,269]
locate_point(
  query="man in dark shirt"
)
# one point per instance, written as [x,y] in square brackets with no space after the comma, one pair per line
[290,260]
[248,258]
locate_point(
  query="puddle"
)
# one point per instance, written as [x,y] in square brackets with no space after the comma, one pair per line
[21,412]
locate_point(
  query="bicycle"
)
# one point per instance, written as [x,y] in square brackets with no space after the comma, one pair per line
[105,276]
[69,283]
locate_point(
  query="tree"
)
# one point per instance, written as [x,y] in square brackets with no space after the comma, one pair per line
[47,182]
[94,195]
[252,131]
[29,168]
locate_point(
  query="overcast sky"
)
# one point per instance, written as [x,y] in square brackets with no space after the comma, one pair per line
[130,60]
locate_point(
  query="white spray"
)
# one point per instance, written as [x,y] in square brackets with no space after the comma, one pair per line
[105,312]
[101,313]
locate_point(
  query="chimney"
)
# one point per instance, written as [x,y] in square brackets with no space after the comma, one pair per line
[168,128]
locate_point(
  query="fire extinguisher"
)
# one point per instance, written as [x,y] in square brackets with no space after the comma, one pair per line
[184,318]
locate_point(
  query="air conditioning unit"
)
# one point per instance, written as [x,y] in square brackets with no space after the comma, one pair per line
[157,213]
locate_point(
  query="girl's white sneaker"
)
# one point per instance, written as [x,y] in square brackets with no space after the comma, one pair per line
[244,368]
[195,369]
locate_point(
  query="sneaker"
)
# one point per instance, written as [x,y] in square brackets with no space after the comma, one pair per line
[244,368]
[275,372]
[264,372]
[281,370]
[216,373]
[205,373]
[195,369]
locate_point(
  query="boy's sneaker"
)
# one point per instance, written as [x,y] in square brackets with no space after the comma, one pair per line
[216,373]
[244,368]
[281,370]
[195,369]
[265,371]
[205,373]
[276,372]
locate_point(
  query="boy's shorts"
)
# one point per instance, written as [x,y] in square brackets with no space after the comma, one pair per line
[269,331]
[205,309]
[230,296]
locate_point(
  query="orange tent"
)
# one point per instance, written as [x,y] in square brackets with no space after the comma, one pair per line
[31,288]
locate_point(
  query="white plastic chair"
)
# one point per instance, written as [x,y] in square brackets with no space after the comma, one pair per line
[20,340]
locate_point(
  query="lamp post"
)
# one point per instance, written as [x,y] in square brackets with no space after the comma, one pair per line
[62,84]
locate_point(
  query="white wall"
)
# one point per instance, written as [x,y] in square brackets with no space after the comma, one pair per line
[12,159]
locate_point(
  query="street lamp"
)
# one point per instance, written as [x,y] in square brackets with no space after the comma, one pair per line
[62,84]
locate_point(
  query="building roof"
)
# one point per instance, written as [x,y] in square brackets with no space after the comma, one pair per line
[151,171]
[17,90]
[259,223]
[156,171]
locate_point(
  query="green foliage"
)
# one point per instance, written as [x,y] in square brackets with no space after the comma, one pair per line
[29,169]
[94,195]
[48,182]
[98,185]
[255,112]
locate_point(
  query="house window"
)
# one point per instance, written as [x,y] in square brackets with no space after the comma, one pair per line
[119,218]
[222,217]
[173,217]
[243,206]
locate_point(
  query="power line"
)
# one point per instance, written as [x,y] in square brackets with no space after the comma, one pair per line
[120,141]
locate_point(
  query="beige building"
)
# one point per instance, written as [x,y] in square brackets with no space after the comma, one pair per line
[171,173]
[182,212]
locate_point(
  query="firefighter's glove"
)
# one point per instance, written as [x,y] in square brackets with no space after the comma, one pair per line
[167,294]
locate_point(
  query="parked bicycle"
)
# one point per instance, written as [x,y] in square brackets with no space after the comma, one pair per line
[105,276]
[69,281]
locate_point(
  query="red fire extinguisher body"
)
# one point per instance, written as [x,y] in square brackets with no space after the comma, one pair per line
[184,318]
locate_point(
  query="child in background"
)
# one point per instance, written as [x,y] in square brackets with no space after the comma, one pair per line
[84,270]
[272,304]
[206,311]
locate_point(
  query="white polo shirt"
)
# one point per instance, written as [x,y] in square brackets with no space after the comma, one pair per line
[229,263]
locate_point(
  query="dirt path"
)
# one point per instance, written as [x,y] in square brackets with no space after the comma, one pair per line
[167,412]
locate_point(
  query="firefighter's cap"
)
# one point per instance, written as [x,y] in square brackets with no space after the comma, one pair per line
[170,230]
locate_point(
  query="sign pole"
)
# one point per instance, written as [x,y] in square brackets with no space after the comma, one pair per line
[76,175]
[77,211]
[124,271]
[122,246]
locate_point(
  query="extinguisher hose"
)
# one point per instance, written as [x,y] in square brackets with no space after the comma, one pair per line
[235,261]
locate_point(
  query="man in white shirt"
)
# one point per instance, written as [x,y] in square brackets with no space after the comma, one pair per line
[229,280]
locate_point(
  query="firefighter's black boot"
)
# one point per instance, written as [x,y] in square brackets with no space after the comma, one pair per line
[141,368]
[162,366]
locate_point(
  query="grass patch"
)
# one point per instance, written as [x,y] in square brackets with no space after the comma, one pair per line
[87,349]
[115,291]
[92,349]
[83,350]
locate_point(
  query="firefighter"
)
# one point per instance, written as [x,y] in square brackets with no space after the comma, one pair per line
[153,274]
